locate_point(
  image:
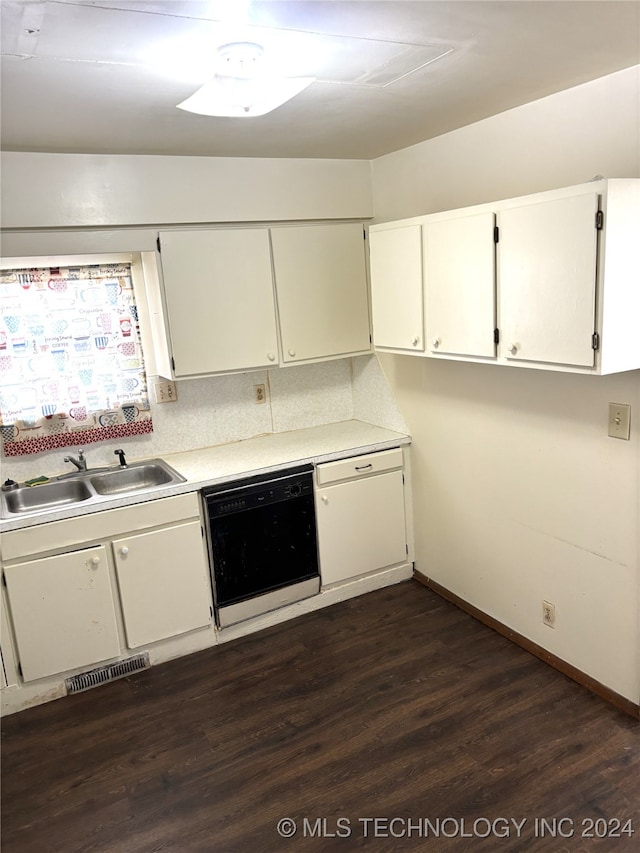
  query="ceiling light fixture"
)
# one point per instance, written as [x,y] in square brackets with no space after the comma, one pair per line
[243,85]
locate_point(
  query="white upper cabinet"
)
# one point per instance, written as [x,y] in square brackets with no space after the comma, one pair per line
[560,290]
[322,292]
[547,281]
[396,287]
[459,258]
[218,290]
[619,269]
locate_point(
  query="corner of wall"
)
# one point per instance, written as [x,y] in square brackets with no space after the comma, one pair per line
[373,399]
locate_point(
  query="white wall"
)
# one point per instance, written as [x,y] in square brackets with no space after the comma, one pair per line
[76,190]
[519,495]
[558,141]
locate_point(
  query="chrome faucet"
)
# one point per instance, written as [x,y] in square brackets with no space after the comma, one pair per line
[123,461]
[80,462]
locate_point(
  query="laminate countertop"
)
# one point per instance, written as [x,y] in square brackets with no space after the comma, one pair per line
[208,466]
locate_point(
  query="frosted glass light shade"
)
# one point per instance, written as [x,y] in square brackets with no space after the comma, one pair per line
[244,85]
[241,97]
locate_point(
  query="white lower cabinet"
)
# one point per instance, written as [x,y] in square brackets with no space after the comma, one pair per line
[163,582]
[360,514]
[72,584]
[63,612]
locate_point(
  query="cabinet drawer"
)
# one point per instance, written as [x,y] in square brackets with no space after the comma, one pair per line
[359,466]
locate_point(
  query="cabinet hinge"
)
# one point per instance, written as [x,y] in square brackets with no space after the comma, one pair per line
[173,364]
[202,531]
[403,477]
[595,341]
[406,548]
[496,234]
[599,220]
[4,580]
[496,336]
[158,243]
[364,233]
[20,670]
[211,611]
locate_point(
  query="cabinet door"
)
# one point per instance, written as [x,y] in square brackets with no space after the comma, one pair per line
[547,281]
[361,526]
[218,289]
[460,285]
[396,287]
[8,672]
[321,285]
[164,583]
[62,612]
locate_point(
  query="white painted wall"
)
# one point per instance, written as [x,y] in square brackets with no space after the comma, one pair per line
[76,190]
[519,495]
[558,141]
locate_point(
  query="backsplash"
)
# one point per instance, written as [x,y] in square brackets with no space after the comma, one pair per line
[221,409]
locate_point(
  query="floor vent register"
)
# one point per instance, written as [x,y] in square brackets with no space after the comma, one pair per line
[103,674]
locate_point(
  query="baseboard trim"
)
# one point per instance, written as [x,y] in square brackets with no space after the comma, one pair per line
[620,702]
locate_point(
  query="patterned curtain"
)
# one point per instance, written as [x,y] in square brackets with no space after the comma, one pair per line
[71,363]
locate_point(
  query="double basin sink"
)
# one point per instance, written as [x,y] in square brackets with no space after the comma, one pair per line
[92,485]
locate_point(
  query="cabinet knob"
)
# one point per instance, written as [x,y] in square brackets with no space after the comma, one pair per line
[291,352]
[95,561]
[324,499]
[513,348]
[124,551]
[271,356]
[436,343]
[415,341]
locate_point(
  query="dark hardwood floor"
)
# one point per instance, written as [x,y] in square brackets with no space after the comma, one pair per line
[396,705]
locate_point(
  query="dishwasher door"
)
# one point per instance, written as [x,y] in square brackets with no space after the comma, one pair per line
[262,543]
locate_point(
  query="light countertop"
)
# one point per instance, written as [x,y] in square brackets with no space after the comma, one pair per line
[209,466]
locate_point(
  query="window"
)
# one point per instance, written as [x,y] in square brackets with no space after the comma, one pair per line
[71,361]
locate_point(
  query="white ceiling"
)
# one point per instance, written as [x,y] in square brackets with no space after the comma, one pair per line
[96,76]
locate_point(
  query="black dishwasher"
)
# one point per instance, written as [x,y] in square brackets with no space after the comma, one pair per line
[262,542]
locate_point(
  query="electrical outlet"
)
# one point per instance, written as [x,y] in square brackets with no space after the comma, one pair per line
[259,394]
[165,390]
[549,614]
[620,421]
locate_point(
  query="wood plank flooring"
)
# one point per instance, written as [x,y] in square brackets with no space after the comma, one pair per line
[396,705]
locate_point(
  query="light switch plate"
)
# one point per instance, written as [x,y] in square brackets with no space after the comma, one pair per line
[165,390]
[620,420]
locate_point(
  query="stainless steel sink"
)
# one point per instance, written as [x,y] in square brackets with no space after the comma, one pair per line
[135,477]
[73,475]
[92,486]
[49,496]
